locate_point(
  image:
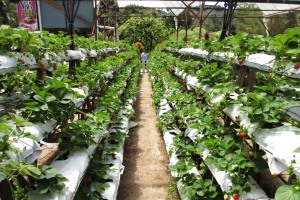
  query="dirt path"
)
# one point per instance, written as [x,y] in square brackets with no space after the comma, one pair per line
[145,159]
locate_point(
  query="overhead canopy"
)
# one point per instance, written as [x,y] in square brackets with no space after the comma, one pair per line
[268,7]
[271,9]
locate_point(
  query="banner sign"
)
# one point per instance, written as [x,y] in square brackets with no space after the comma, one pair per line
[27,15]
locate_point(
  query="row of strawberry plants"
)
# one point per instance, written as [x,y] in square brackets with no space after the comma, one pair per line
[188,114]
[107,108]
[285,47]
[103,175]
[23,51]
[267,112]
[217,81]
[275,56]
[60,90]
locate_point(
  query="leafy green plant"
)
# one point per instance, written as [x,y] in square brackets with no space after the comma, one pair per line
[285,46]
[22,177]
[79,134]
[55,101]
[199,188]
[264,109]
[18,81]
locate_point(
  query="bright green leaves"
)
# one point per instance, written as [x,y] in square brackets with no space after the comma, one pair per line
[54,101]
[148,30]
[31,171]
[265,109]
[198,188]
[11,39]
[290,192]
[79,134]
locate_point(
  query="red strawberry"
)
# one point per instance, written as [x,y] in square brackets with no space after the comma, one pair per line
[43,66]
[241,61]
[297,65]
[250,154]
[235,197]
[243,134]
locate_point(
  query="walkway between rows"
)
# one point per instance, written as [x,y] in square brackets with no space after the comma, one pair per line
[146,176]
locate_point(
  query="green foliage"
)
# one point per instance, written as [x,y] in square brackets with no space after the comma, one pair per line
[8,13]
[286,46]
[249,25]
[288,192]
[148,30]
[278,25]
[54,101]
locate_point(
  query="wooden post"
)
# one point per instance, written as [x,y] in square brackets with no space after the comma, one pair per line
[241,76]
[49,73]
[227,121]
[39,74]
[251,77]
[201,18]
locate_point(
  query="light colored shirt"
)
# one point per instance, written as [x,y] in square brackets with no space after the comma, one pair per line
[144,57]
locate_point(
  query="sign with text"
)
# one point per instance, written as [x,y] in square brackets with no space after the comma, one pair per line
[27,15]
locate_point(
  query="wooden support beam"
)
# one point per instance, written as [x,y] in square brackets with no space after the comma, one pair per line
[251,79]
[241,76]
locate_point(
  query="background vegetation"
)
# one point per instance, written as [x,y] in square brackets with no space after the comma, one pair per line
[151,26]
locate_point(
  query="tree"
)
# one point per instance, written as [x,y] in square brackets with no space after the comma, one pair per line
[248,25]
[8,13]
[213,24]
[278,24]
[148,30]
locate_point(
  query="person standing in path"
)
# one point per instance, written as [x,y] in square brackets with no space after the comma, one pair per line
[144,60]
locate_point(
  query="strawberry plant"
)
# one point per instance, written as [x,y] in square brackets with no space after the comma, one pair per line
[286,46]
[13,40]
[79,134]
[211,71]
[55,101]
[264,109]
[20,176]
[18,81]
[199,188]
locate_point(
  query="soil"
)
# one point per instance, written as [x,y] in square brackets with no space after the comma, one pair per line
[146,174]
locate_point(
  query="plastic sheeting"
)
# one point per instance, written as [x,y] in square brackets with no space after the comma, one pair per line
[28,148]
[233,111]
[222,56]
[82,91]
[74,172]
[260,61]
[93,54]
[8,63]
[192,82]
[73,168]
[276,163]
[223,178]
[74,55]
[164,107]
[290,71]
[4,99]
[280,143]
[197,52]
[123,128]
